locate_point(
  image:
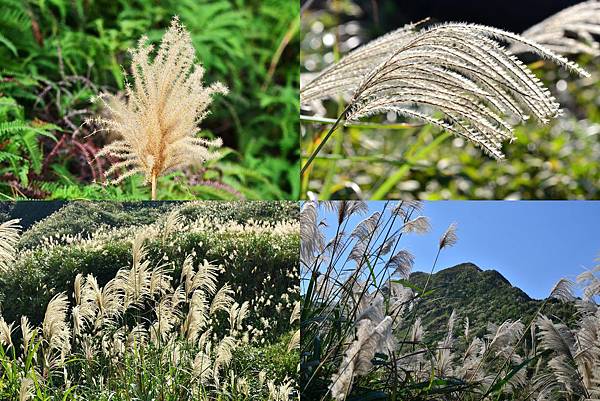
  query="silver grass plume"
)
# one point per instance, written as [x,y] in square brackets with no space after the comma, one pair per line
[418,225]
[5,332]
[311,237]
[357,359]
[564,365]
[449,237]
[223,355]
[158,121]
[444,357]
[172,224]
[347,74]
[26,389]
[237,314]
[202,366]
[197,316]
[563,290]
[295,317]
[503,337]
[459,70]
[55,326]
[387,246]
[556,337]
[401,264]
[570,31]
[9,236]
[204,279]
[367,228]
[27,333]
[222,300]
[416,331]
[344,209]
[404,208]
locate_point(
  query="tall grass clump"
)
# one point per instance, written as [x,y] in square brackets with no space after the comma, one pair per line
[158,121]
[363,335]
[157,329]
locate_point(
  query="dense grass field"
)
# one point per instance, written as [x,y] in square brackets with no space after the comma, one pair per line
[165,301]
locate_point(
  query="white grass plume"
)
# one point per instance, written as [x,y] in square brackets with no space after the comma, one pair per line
[563,290]
[357,361]
[27,333]
[401,264]
[222,300]
[459,70]
[26,389]
[159,119]
[418,225]
[9,236]
[570,31]
[55,327]
[311,238]
[449,238]
[5,332]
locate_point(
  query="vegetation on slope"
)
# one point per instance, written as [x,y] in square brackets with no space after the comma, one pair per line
[483,296]
[186,304]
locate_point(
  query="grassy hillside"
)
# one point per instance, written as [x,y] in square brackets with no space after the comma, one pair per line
[167,301]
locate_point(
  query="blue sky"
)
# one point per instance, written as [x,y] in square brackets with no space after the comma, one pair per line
[532,243]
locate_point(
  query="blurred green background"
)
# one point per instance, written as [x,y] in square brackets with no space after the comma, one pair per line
[56,54]
[557,161]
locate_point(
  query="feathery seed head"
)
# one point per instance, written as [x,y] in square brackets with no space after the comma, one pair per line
[5,332]
[159,119]
[570,31]
[26,389]
[460,70]
[55,327]
[449,237]
[9,236]
[563,290]
[419,225]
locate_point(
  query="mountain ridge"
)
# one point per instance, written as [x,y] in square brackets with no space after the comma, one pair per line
[476,268]
[484,296]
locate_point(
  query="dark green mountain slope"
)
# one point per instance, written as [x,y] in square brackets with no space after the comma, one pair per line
[482,295]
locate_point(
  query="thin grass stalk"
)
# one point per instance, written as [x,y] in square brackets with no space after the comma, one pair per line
[153,181]
[324,140]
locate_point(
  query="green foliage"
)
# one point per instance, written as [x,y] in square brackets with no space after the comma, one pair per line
[56,55]
[274,359]
[80,217]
